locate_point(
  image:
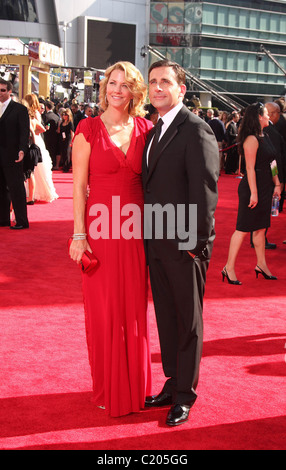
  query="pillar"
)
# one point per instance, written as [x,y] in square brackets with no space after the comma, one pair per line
[44,84]
[25,80]
[206,99]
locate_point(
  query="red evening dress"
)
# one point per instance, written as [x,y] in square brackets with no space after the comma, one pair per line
[115,295]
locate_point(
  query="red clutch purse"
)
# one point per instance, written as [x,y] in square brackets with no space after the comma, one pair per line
[88,262]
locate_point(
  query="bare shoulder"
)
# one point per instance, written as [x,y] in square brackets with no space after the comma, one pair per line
[251,142]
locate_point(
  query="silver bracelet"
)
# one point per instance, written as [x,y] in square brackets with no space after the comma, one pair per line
[79,236]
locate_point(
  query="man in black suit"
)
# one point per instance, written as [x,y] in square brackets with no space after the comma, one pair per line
[232,159]
[51,136]
[219,131]
[14,140]
[279,144]
[280,119]
[77,115]
[181,172]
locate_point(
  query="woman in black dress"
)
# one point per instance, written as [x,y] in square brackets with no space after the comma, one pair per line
[255,191]
[66,135]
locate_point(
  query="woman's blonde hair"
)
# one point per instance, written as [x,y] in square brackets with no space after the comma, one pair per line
[33,103]
[68,112]
[136,85]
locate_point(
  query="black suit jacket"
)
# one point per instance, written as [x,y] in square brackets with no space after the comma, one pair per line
[218,129]
[51,136]
[231,133]
[185,170]
[280,150]
[77,117]
[14,133]
[281,126]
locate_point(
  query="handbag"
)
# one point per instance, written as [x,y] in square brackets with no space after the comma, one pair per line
[35,154]
[32,157]
[88,262]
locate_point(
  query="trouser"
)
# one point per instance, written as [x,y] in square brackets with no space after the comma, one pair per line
[12,189]
[178,288]
[282,199]
[232,161]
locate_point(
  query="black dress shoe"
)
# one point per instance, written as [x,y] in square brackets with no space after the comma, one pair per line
[163,399]
[18,227]
[270,246]
[178,414]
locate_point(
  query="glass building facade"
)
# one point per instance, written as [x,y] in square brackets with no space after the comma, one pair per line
[219,42]
[20,10]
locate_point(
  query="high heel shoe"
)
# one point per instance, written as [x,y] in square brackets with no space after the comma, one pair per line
[230,281]
[266,276]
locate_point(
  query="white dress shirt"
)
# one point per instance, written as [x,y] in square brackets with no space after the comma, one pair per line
[167,119]
[4,106]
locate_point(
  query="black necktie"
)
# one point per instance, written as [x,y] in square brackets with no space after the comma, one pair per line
[158,128]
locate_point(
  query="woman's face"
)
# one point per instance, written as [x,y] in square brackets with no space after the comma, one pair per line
[118,94]
[264,119]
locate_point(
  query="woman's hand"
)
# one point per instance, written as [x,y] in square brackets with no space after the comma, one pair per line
[277,191]
[253,200]
[77,249]
[20,157]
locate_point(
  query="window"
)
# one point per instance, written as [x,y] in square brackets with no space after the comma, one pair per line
[22,10]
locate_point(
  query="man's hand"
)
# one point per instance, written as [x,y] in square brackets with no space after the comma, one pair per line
[21,156]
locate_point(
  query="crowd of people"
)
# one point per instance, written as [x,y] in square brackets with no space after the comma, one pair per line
[267,123]
[225,126]
[62,117]
[174,157]
[60,120]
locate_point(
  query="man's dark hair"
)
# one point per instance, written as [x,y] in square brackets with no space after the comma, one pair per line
[250,124]
[179,71]
[5,82]
[50,105]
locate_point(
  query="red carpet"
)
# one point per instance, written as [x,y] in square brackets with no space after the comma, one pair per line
[45,379]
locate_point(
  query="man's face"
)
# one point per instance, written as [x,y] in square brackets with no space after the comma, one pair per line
[274,112]
[164,91]
[4,93]
[88,111]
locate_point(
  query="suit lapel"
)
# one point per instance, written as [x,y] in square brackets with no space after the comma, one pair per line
[148,140]
[169,135]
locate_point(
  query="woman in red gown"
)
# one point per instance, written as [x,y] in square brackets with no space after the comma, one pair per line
[107,157]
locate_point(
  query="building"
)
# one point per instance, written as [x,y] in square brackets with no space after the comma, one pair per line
[220,41]
[92,33]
